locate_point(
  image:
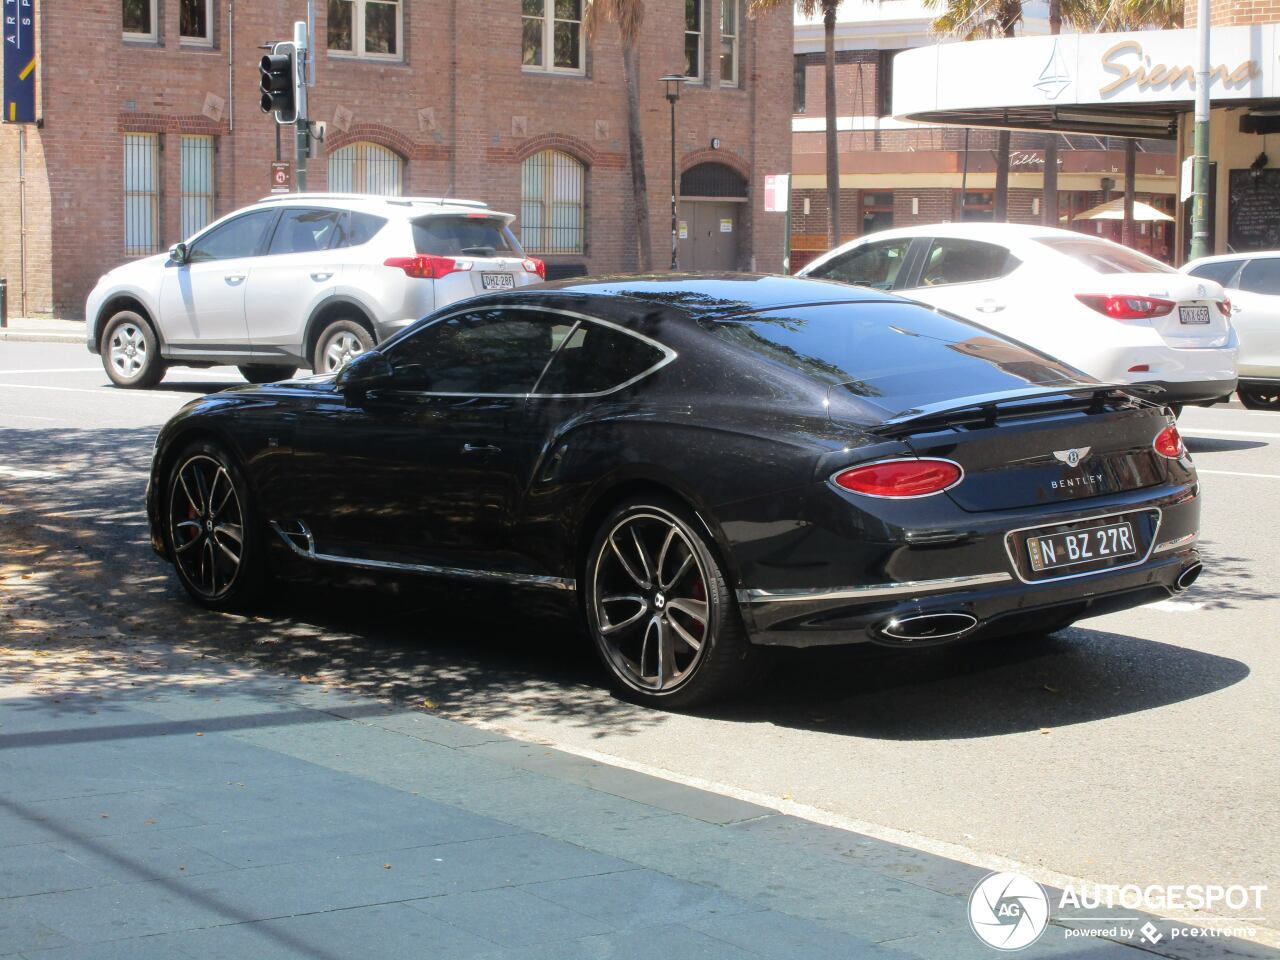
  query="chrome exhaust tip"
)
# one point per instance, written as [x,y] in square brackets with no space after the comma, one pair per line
[1189,576]
[929,627]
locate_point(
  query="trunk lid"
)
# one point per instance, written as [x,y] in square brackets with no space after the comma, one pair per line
[1195,320]
[1043,450]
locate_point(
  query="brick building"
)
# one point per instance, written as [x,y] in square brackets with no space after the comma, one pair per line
[149,125]
[895,173]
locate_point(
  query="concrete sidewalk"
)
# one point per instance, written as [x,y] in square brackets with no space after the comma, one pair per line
[44,330]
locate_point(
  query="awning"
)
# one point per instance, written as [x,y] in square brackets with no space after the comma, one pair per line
[1114,210]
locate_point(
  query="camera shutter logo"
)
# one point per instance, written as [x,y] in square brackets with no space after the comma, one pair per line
[1008,911]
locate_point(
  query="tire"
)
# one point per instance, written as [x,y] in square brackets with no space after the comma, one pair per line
[701,661]
[264,373]
[131,352]
[1260,398]
[207,504]
[338,342]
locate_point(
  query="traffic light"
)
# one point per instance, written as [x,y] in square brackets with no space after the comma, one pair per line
[280,82]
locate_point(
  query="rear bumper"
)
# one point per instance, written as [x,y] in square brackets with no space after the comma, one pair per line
[1193,391]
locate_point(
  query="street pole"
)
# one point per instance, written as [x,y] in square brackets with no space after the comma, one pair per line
[673,94]
[1200,169]
[302,145]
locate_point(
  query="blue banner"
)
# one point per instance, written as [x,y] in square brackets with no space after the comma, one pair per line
[19,61]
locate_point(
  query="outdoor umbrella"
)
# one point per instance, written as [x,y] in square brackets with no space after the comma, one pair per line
[1114,210]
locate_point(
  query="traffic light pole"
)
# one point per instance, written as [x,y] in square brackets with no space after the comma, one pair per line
[1200,165]
[302,142]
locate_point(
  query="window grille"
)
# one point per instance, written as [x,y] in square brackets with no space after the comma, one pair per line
[197,183]
[364,167]
[141,193]
[552,203]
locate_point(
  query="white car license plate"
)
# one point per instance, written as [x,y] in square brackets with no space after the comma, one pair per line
[505,281]
[1055,550]
[1193,314]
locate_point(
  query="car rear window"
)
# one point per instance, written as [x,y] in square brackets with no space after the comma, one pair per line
[1103,257]
[892,356]
[476,236]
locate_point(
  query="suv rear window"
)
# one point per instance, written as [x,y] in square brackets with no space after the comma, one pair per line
[892,356]
[477,236]
[1102,257]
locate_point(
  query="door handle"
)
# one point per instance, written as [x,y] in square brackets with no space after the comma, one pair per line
[990,306]
[321,276]
[234,278]
[480,448]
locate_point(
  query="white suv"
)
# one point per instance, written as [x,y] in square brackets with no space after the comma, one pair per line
[300,280]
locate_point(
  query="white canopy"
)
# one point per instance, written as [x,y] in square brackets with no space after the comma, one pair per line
[1114,210]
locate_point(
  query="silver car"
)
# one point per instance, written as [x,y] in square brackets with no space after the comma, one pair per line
[1252,281]
[301,280]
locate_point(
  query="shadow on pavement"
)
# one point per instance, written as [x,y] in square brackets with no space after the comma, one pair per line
[1215,445]
[485,654]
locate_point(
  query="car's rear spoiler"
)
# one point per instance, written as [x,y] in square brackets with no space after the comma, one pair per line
[988,407]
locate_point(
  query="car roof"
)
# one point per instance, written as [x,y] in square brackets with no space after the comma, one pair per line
[388,206]
[1233,257]
[707,295]
[978,231]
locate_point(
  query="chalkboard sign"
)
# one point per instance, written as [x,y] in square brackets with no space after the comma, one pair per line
[1253,217]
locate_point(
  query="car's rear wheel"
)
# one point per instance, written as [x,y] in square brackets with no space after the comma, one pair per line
[130,351]
[211,526]
[1260,398]
[339,342]
[264,373]
[659,610]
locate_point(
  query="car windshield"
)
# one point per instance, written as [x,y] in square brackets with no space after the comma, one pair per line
[478,235]
[893,356]
[1102,257]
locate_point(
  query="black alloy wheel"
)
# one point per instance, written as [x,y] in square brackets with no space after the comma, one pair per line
[1260,398]
[214,540]
[662,617]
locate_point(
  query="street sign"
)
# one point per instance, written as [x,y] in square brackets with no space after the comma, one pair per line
[281,176]
[777,192]
[1188,168]
[19,62]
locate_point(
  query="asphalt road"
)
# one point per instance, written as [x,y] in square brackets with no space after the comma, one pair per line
[1141,747]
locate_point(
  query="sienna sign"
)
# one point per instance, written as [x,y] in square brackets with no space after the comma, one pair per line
[1083,70]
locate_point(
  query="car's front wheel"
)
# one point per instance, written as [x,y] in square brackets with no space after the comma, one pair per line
[130,351]
[339,342]
[659,610]
[1260,398]
[211,527]
[266,373]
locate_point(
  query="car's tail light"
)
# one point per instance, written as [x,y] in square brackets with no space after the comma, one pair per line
[534,265]
[900,478]
[1168,443]
[427,266]
[1125,307]
[1224,306]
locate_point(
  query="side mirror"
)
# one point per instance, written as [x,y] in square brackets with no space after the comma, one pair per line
[363,373]
[178,253]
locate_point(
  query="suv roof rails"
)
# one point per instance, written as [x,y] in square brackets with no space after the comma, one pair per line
[398,201]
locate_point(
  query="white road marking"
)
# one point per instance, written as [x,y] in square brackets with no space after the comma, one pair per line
[1214,432]
[5,373]
[941,848]
[1237,473]
[17,473]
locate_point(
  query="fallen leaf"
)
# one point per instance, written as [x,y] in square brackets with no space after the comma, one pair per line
[199,734]
[428,704]
[386,866]
[1051,689]
[1044,730]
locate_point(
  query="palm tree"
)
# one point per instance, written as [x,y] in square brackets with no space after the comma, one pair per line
[973,20]
[808,9]
[629,16]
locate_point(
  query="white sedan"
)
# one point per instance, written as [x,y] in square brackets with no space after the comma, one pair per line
[1110,311]
[1252,281]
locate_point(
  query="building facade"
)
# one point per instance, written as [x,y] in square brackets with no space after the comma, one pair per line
[901,173]
[149,126]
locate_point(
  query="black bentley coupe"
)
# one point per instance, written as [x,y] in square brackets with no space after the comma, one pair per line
[706,465]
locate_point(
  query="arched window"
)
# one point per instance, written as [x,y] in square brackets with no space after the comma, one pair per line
[552,205]
[364,167]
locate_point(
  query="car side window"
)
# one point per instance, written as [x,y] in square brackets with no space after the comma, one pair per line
[241,237]
[595,358]
[1220,271]
[1261,276]
[955,260]
[480,352]
[305,230]
[362,226]
[874,265]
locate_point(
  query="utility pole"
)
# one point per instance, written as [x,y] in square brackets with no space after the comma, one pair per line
[301,42]
[1200,169]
